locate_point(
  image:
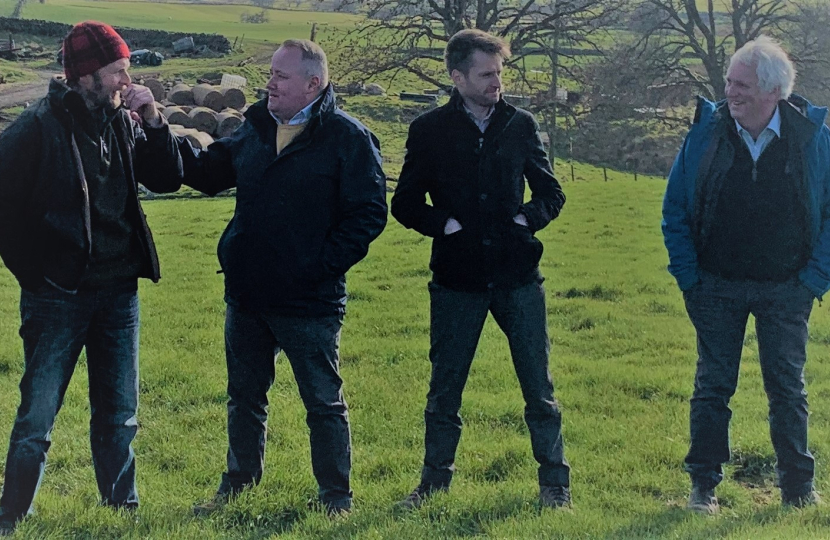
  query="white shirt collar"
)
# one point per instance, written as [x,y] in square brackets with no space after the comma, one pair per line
[301,117]
[481,123]
[774,125]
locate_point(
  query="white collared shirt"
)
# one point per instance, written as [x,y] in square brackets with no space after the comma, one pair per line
[484,122]
[756,147]
[300,118]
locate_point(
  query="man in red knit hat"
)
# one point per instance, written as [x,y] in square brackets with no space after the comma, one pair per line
[73,234]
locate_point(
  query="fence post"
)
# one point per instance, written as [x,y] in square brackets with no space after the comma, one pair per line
[605,173]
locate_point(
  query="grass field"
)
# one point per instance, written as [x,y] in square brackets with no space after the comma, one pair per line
[623,361]
[210,19]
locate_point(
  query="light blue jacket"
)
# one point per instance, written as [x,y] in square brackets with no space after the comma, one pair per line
[699,169]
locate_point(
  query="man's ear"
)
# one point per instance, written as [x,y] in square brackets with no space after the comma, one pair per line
[456,76]
[314,84]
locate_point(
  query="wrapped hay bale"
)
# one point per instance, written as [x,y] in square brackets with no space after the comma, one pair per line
[203,119]
[181,94]
[205,95]
[175,115]
[227,123]
[197,138]
[233,98]
[156,87]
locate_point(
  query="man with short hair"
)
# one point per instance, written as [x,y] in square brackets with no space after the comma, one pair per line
[73,234]
[472,157]
[746,221]
[310,198]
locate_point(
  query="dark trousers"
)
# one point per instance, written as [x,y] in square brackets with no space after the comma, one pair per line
[252,340]
[456,321]
[719,309]
[55,327]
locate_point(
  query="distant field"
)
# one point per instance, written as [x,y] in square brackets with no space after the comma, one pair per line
[221,19]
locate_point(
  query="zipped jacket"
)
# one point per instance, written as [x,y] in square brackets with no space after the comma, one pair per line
[45,234]
[699,170]
[478,179]
[304,217]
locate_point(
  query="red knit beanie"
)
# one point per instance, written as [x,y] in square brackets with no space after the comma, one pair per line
[89,46]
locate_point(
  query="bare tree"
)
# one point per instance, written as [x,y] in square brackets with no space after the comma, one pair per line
[677,31]
[410,35]
[809,42]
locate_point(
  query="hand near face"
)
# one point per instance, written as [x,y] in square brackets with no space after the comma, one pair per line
[139,99]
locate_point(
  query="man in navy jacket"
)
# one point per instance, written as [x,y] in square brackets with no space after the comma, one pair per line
[746,221]
[310,198]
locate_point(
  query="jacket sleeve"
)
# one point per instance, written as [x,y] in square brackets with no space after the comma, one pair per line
[816,275]
[546,196]
[158,164]
[409,203]
[362,206]
[19,168]
[676,225]
[209,170]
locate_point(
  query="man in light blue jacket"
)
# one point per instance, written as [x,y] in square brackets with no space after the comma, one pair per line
[746,222]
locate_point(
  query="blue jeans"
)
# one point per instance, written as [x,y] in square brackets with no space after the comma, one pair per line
[252,340]
[55,327]
[719,309]
[456,321]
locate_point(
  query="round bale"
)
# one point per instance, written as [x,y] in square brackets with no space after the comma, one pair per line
[234,98]
[203,119]
[181,94]
[156,87]
[175,115]
[205,95]
[227,124]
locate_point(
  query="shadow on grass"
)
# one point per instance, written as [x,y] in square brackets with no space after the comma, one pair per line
[683,524]
[264,525]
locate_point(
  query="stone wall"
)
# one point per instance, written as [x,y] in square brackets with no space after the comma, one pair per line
[136,38]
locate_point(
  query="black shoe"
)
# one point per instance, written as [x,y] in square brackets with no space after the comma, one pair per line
[7,528]
[554,497]
[332,510]
[811,498]
[703,501]
[418,496]
[204,509]
[8,524]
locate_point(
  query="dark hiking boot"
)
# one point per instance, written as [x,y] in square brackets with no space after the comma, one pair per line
[703,501]
[7,528]
[811,498]
[554,497]
[332,510]
[219,501]
[419,496]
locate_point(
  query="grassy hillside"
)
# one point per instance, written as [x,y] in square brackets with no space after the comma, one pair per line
[220,19]
[623,361]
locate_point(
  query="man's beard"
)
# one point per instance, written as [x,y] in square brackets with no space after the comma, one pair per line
[98,98]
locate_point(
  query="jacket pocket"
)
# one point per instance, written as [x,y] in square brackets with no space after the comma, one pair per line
[521,252]
[456,256]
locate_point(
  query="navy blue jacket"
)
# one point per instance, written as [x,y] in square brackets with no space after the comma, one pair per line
[698,171]
[302,218]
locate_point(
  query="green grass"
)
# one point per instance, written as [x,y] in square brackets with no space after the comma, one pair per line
[623,363]
[218,19]
[13,73]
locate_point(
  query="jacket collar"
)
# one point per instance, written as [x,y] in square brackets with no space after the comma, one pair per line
[801,118]
[65,99]
[325,105]
[457,103]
